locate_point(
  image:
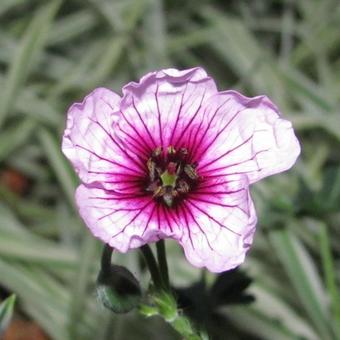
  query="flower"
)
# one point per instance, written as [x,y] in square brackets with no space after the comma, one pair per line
[174,158]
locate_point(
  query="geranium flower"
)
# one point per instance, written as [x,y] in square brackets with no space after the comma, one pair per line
[174,158]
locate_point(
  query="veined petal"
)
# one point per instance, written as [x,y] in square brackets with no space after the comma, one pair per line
[215,230]
[124,221]
[98,156]
[219,220]
[245,135]
[156,110]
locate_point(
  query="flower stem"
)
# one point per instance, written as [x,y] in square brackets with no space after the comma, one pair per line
[152,265]
[106,259]
[163,265]
[165,305]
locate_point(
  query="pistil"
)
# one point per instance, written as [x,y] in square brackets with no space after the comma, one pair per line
[170,176]
[168,179]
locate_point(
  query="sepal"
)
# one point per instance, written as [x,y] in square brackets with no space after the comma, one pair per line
[118,289]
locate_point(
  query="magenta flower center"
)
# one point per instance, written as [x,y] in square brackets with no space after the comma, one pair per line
[170,176]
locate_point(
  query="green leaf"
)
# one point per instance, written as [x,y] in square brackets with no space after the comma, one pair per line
[330,277]
[303,277]
[154,34]
[236,44]
[250,320]
[87,254]
[107,61]
[14,137]
[58,162]
[46,308]
[6,5]
[274,306]
[71,26]
[6,311]
[26,55]
[29,248]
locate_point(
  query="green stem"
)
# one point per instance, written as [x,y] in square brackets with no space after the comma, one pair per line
[183,326]
[106,259]
[152,265]
[163,265]
[165,305]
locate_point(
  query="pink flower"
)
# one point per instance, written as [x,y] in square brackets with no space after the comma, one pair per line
[174,158]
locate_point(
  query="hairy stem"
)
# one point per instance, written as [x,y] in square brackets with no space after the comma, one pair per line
[163,302]
[165,305]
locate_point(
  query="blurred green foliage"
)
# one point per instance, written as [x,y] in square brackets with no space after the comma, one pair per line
[54,52]
[6,311]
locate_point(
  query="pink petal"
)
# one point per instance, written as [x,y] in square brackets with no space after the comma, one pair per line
[215,225]
[219,221]
[97,155]
[156,110]
[125,221]
[246,135]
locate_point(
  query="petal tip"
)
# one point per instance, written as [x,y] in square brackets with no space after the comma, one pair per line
[170,75]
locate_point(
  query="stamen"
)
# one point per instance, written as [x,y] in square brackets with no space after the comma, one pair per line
[159,192]
[171,150]
[170,176]
[152,187]
[157,152]
[190,171]
[183,186]
[151,165]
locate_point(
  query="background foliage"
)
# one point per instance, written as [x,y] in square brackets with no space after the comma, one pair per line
[53,53]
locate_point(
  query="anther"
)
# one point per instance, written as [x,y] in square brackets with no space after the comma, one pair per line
[159,192]
[170,175]
[171,150]
[157,152]
[151,165]
[153,186]
[190,171]
[183,187]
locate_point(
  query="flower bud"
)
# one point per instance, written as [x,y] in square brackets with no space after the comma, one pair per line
[118,289]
